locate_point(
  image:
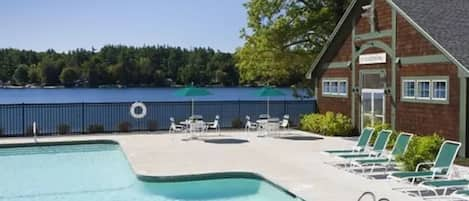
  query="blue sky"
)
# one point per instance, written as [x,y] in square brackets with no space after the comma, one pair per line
[69,24]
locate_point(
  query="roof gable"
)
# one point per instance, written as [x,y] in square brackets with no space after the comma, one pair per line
[444,23]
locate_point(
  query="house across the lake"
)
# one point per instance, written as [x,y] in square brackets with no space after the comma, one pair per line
[402,62]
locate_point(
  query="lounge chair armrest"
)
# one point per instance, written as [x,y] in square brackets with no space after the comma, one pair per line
[439,169]
[423,164]
[357,149]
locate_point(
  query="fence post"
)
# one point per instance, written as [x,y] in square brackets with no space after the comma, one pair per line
[83,118]
[284,106]
[23,119]
[239,109]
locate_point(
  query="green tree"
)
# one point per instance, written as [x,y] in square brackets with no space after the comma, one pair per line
[34,74]
[69,76]
[282,37]
[50,72]
[21,74]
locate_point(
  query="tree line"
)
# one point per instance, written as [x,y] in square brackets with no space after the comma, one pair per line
[152,66]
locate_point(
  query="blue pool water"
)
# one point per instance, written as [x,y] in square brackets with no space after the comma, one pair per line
[100,172]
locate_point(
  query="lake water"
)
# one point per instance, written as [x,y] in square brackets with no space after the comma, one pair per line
[10,96]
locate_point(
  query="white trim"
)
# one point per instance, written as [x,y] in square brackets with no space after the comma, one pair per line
[446,90]
[432,81]
[403,88]
[372,115]
[417,95]
[337,81]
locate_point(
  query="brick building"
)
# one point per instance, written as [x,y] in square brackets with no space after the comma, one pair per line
[402,62]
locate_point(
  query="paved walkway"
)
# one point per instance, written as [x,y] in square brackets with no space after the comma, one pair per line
[296,165]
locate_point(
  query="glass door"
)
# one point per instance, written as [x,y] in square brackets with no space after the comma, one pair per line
[373,107]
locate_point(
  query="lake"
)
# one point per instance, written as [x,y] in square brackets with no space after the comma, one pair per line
[93,95]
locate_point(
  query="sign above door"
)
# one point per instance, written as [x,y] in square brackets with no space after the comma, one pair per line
[378,58]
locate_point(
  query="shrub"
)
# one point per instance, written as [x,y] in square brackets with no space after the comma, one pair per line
[236,123]
[328,124]
[63,129]
[152,125]
[421,149]
[95,128]
[124,126]
[311,122]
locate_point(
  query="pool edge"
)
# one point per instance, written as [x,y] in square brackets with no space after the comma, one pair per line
[154,178]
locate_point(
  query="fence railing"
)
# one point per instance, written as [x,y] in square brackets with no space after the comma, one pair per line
[81,118]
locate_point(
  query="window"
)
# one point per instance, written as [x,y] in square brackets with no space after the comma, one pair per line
[433,89]
[409,89]
[423,89]
[342,88]
[439,89]
[334,87]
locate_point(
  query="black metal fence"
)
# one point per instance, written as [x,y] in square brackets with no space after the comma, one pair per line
[80,118]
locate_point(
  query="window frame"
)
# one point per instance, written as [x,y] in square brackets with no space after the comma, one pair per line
[337,92]
[433,90]
[404,89]
[432,83]
[418,90]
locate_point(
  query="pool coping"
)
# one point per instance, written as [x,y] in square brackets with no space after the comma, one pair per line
[160,179]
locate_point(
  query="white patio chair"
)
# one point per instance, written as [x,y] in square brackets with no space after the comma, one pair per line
[215,124]
[285,122]
[175,128]
[250,125]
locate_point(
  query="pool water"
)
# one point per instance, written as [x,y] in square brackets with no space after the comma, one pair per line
[100,172]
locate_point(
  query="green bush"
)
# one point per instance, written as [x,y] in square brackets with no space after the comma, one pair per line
[311,122]
[152,125]
[63,129]
[95,128]
[236,123]
[328,124]
[421,149]
[124,126]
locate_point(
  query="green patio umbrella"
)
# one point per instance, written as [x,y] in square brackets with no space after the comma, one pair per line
[191,91]
[269,91]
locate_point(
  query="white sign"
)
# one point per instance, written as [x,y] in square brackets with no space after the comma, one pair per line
[378,58]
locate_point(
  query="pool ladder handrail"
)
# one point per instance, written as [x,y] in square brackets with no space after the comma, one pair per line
[372,196]
[34,132]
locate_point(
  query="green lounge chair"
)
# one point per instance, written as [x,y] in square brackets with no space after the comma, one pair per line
[378,148]
[461,194]
[400,147]
[441,167]
[445,184]
[363,141]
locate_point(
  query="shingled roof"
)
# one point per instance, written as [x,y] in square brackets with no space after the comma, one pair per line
[444,22]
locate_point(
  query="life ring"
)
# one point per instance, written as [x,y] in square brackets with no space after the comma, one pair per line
[136,105]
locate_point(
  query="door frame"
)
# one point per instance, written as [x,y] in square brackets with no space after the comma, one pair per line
[373,115]
[382,73]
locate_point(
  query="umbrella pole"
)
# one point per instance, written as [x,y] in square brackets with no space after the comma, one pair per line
[192,107]
[268,112]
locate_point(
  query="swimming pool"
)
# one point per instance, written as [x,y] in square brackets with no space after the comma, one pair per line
[100,172]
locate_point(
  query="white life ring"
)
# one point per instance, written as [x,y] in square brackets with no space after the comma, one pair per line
[136,105]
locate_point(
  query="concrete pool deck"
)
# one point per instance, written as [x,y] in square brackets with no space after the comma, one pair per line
[296,165]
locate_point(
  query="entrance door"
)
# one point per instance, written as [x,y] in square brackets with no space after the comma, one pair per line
[373,107]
